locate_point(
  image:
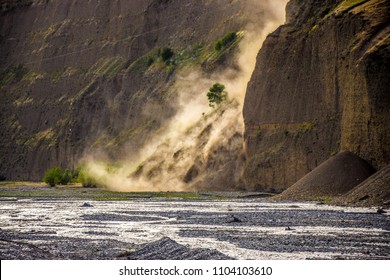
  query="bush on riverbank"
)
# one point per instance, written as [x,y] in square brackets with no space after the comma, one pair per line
[55,176]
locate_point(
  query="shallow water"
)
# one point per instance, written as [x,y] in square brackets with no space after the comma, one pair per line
[241,228]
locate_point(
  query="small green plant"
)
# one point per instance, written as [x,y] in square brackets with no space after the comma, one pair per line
[12,73]
[53,176]
[166,54]
[313,29]
[306,127]
[66,177]
[170,67]
[142,63]
[225,41]
[216,95]
[325,200]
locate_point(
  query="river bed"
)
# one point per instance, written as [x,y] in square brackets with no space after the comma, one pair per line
[236,228]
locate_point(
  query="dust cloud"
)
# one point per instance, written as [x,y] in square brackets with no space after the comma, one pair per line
[201,146]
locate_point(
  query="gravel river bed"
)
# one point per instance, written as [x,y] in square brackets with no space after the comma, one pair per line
[160,228]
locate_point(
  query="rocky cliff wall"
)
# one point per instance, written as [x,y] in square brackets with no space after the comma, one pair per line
[47,51]
[321,85]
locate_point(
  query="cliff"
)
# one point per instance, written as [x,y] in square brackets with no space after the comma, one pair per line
[86,77]
[321,86]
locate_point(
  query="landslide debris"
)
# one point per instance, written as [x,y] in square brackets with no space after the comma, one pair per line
[334,177]
[373,191]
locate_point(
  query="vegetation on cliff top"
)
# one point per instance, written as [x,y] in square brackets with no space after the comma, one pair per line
[348,4]
[196,54]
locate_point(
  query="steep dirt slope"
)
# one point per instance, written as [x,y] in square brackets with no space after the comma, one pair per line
[373,191]
[335,177]
[78,77]
[321,86]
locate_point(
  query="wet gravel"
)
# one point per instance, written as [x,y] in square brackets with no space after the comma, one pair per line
[343,246]
[50,246]
[250,228]
[168,249]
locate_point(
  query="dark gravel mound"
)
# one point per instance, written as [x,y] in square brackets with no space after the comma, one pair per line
[168,249]
[373,191]
[334,177]
[48,245]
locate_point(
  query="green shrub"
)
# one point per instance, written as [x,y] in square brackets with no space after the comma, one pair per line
[85,180]
[166,54]
[66,177]
[141,64]
[216,94]
[53,176]
[225,41]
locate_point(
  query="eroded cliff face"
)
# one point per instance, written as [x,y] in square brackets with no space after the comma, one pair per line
[54,56]
[85,77]
[321,85]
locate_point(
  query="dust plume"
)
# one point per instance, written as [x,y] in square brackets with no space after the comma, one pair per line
[201,147]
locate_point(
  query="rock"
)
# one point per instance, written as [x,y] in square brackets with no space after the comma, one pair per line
[380,211]
[234,219]
[86,204]
[288,228]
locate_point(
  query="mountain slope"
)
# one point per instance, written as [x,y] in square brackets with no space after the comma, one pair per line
[86,77]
